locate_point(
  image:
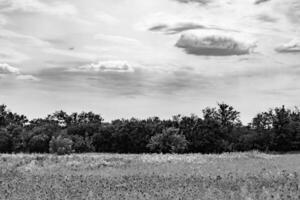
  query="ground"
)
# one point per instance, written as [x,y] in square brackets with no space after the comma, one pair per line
[250,175]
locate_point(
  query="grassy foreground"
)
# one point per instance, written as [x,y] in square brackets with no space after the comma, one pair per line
[238,176]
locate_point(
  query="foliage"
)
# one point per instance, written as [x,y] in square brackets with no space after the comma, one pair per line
[60,145]
[234,176]
[218,130]
[39,144]
[102,139]
[169,141]
[5,141]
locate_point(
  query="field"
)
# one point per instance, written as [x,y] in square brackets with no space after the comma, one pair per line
[250,175]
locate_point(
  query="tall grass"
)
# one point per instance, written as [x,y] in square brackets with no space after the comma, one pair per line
[251,175]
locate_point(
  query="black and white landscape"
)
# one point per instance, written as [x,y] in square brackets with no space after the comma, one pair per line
[133,58]
[149,99]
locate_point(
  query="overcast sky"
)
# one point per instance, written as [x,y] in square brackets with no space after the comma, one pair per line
[142,58]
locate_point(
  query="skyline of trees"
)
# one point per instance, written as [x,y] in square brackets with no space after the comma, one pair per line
[218,130]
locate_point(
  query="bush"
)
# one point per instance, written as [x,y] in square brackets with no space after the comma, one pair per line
[60,145]
[39,144]
[102,140]
[5,142]
[169,141]
[20,139]
[79,144]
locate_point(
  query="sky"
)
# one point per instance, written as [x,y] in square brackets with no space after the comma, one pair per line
[138,58]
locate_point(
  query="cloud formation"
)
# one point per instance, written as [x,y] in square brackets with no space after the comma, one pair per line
[291,47]
[203,2]
[8,69]
[36,6]
[106,18]
[260,1]
[117,39]
[177,27]
[214,44]
[267,18]
[139,82]
[2,20]
[106,66]
[25,77]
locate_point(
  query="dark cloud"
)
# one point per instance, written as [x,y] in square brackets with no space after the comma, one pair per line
[290,47]
[177,28]
[267,18]
[140,82]
[202,2]
[213,45]
[260,1]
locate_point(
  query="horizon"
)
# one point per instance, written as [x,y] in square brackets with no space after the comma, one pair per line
[109,120]
[132,58]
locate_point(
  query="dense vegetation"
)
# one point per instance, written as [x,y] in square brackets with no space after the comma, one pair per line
[231,176]
[219,130]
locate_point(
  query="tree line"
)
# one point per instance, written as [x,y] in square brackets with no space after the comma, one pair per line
[218,130]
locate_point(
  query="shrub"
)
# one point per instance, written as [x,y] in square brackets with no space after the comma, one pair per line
[102,140]
[60,145]
[39,143]
[5,142]
[169,141]
[79,144]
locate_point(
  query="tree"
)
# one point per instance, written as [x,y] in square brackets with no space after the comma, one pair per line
[39,144]
[169,141]
[20,139]
[226,115]
[60,117]
[60,145]
[102,140]
[262,121]
[5,141]
[282,137]
[9,118]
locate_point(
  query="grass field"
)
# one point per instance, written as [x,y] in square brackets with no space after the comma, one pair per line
[250,175]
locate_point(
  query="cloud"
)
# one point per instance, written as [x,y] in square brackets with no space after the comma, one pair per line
[260,1]
[267,18]
[115,82]
[291,47]
[117,39]
[202,2]
[173,24]
[177,27]
[36,6]
[2,20]
[73,54]
[21,38]
[8,55]
[27,77]
[106,18]
[214,44]
[293,11]
[106,66]
[8,69]
[170,24]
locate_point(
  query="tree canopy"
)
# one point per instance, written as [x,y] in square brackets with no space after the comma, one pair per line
[219,129]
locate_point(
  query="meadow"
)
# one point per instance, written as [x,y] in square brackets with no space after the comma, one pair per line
[249,176]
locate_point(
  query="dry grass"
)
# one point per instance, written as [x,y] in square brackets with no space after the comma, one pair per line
[238,176]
